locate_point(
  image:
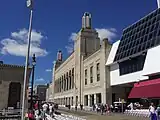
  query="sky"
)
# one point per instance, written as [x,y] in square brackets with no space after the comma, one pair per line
[55,24]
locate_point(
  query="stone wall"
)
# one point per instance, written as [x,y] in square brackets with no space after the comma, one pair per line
[4,90]
[8,74]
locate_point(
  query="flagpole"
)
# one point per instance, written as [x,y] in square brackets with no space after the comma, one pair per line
[29,5]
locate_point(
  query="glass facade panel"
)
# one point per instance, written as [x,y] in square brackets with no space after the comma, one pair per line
[140,36]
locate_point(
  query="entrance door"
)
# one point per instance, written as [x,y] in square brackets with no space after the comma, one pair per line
[98,98]
[14,94]
[113,98]
[76,100]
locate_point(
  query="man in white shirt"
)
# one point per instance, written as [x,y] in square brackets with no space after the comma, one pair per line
[152,112]
[45,106]
[51,109]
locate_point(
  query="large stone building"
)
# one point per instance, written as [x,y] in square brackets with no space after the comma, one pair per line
[11,85]
[83,77]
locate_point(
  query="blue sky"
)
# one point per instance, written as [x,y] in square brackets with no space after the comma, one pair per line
[55,23]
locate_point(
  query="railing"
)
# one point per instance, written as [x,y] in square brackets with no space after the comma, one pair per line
[10,112]
[12,117]
[13,114]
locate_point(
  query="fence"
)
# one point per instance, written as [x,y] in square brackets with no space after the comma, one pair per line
[13,114]
[14,117]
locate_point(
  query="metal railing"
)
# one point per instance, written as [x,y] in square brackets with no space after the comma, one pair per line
[13,114]
[12,117]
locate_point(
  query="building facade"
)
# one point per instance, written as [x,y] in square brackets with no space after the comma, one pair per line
[83,77]
[49,93]
[134,60]
[11,85]
[40,91]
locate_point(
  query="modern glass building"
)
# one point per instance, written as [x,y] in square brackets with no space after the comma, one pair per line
[135,58]
[136,40]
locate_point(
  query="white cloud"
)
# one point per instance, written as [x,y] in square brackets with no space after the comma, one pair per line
[70,46]
[16,44]
[73,37]
[54,62]
[48,70]
[109,33]
[40,79]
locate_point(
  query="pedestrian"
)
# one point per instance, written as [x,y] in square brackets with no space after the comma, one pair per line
[102,109]
[51,110]
[45,106]
[69,106]
[38,114]
[158,112]
[31,115]
[96,107]
[111,108]
[107,108]
[152,111]
[76,107]
[81,106]
[36,105]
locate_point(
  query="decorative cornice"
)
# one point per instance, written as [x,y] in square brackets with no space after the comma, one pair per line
[13,66]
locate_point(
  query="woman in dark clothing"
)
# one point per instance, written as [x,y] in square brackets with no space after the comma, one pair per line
[102,109]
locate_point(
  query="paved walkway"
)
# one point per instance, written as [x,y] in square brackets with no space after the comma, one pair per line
[88,115]
[64,117]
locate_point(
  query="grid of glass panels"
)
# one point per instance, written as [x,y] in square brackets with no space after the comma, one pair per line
[133,65]
[140,36]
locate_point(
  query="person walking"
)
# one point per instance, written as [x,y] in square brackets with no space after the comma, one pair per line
[45,107]
[152,111]
[51,110]
[36,106]
[158,112]
[31,115]
[38,114]
[102,109]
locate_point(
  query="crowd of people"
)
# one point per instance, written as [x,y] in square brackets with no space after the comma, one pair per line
[39,110]
[103,108]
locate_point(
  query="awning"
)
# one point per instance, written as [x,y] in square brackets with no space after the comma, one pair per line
[146,89]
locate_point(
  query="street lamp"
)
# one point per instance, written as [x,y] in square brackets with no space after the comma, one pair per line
[32,83]
[30,6]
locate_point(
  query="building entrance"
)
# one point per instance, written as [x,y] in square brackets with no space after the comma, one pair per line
[14,94]
[92,100]
[98,98]
[86,100]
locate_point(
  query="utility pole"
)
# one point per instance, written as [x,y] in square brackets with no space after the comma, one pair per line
[30,6]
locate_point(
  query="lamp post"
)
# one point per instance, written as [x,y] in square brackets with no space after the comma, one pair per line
[32,83]
[30,6]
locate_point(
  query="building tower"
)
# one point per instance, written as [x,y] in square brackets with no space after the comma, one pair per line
[59,55]
[86,43]
[88,36]
[86,20]
[59,60]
